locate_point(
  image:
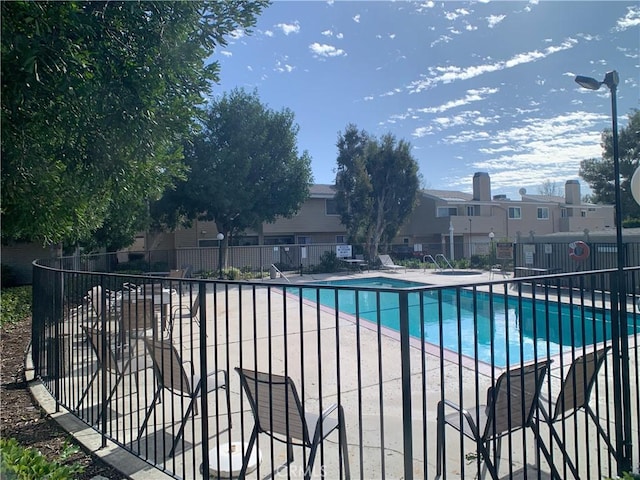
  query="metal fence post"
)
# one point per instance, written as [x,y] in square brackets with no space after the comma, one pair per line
[405,358]
[204,408]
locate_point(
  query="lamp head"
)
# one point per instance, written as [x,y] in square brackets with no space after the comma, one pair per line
[611,79]
[220,236]
[588,82]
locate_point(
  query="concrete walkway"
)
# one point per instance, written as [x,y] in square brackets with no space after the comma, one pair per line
[330,357]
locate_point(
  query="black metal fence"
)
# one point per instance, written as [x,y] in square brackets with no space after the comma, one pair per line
[149,363]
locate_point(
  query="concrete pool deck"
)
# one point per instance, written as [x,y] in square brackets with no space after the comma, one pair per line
[366,383]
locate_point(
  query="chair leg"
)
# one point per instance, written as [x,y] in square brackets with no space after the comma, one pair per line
[247,454]
[602,433]
[547,454]
[149,412]
[86,390]
[312,457]
[185,419]
[484,453]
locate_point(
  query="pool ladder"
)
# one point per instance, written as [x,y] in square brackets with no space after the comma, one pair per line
[439,267]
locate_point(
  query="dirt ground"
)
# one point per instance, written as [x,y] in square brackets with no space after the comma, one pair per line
[21,417]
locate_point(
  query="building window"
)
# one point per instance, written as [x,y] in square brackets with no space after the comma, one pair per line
[543,213]
[207,243]
[471,210]
[447,212]
[331,206]
[304,240]
[583,213]
[341,239]
[515,213]
[564,213]
[284,240]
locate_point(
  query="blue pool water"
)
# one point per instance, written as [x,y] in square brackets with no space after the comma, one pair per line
[511,335]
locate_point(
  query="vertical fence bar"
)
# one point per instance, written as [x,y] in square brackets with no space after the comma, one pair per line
[204,404]
[617,360]
[406,384]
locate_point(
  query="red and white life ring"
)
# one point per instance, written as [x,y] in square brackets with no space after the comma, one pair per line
[579,250]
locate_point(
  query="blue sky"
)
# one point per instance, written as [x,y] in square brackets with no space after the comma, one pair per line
[473,86]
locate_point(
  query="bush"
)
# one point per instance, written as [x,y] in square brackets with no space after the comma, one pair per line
[232,273]
[329,263]
[25,463]
[15,304]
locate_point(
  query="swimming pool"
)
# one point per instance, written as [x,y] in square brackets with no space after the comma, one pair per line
[494,328]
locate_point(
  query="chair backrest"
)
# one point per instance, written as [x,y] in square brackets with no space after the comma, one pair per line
[385,260]
[95,295]
[195,306]
[96,339]
[176,273]
[580,380]
[137,316]
[168,367]
[275,404]
[512,401]
[187,271]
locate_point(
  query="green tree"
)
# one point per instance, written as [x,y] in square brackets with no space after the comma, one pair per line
[598,172]
[244,168]
[96,100]
[377,185]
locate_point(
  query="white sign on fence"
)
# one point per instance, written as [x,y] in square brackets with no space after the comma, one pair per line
[343,251]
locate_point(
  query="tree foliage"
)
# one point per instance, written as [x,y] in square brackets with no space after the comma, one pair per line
[244,168]
[598,172]
[548,189]
[377,185]
[96,100]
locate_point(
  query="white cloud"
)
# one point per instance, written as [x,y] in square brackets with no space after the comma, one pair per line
[494,20]
[324,50]
[631,19]
[283,67]
[339,36]
[425,5]
[288,28]
[535,145]
[441,39]
[268,33]
[357,18]
[237,34]
[226,53]
[452,73]
[474,95]
[459,12]
[390,93]
[422,131]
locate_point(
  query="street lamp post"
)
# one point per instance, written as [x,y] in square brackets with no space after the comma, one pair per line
[220,237]
[491,237]
[469,239]
[618,329]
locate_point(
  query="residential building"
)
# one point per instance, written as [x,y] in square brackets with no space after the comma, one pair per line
[442,218]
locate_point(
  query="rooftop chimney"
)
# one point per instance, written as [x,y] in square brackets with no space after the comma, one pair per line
[572,192]
[481,187]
